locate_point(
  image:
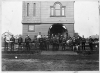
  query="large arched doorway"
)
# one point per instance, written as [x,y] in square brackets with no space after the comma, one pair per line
[57,29]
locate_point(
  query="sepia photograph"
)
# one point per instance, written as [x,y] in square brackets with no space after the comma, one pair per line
[50,35]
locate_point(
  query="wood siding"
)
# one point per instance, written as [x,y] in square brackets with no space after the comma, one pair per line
[42,20]
[43,28]
[43,12]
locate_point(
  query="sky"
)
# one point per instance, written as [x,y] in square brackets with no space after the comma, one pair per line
[86,17]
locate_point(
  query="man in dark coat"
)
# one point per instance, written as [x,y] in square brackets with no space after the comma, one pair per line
[41,47]
[12,39]
[27,41]
[47,43]
[63,43]
[44,43]
[60,39]
[54,43]
[20,41]
[83,43]
[35,42]
[57,43]
[51,41]
[74,43]
[91,43]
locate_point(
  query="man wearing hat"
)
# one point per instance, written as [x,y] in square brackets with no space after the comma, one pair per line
[63,43]
[27,41]
[20,40]
[41,43]
[91,43]
[12,39]
[83,43]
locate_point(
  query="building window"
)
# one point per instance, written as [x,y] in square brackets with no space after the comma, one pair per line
[31,28]
[27,9]
[63,11]
[34,9]
[57,9]
[52,11]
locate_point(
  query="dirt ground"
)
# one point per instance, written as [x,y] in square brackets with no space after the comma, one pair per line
[50,62]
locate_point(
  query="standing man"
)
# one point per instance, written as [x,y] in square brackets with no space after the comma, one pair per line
[54,43]
[20,41]
[35,41]
[91,43]
[51,41]
[5,43]
[60,40]
[27,41]
[41,43]
[63,43]
[44,43]
[77,43]
[39,35]
[74,43]
[47,42]
[12,39]
[57,39]
[83,43]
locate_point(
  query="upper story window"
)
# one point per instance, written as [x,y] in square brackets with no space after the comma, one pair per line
[57,9]
[34,9]
[27,9]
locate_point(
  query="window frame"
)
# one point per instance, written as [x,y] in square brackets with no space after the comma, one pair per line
[27,9]
[31,30]
[34,9]
[57,11]
[64,10]
[51,11]
[54,11]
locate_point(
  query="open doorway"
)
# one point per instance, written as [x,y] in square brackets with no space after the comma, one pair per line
[57,29]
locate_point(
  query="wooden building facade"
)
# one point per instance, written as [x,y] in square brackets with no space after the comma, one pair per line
[40,16]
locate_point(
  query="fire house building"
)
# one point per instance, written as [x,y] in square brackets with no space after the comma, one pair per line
[48,17]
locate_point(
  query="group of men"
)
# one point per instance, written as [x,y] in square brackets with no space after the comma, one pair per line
[77,42]
[44,42]
[6,42]
[54,41]
[20,42]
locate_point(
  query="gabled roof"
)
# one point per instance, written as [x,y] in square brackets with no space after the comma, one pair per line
[7,33]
